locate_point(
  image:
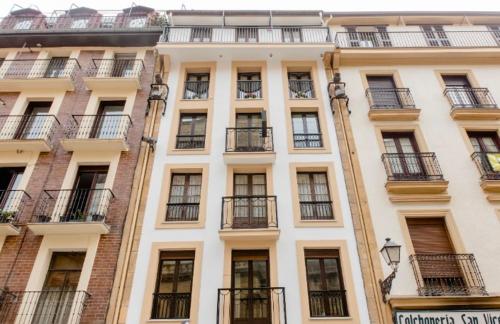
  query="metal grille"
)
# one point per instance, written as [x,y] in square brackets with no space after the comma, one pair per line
[487,164]
[54,68]
[328,303]
[171,305]
[249,212]
[412,166]
[386,98]
[196,90]
[115,68]
[12,203]
[249,89]
[99,127]
[28,127]
[249,139]
[301,89]
[464,97]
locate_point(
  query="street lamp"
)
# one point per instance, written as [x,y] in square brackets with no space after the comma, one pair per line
[336,90]
[159,92]
[391,252]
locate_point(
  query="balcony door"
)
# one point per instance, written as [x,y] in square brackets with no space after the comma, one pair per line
[123,65]
[460,91]
[33,124]
[439,269]
[86,201]
[436,36]
[300,85]
[250,282]
[403,158]
[249,135]
[56,68]
[486,152]
[10,197]
[55,301]
[196,86]
[250,201]
[109,122]
[249,85]
[384,91]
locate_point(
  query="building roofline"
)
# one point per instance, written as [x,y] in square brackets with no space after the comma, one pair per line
[409,13]
[245,12]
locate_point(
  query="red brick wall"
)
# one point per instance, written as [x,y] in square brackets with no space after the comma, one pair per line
[19,252]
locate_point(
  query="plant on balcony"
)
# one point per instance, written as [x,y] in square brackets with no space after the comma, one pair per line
[7,216]
[250,96]
[43,218]
[95,218]
[301,94]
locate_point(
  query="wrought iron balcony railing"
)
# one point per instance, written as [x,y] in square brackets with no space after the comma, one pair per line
[328,303]
[246,34]
[412,166]
[188,142]
[249,89]
[307,140]
[447,275]
[301,89]
[386,98]
[251,305]
[463,97]
[171,306]
[62,21]
[27,69]
[28,127]
[249,212]
[99,127]
[417,39]
[12,203]
[115,68]
[316,210]
[196,90]
[488,164]
[46,306]
[73,205]
[249,139]
[182,212]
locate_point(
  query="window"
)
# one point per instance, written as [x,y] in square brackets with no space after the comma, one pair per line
[314,196]
[79,23]
[484,141]
[300,85]
[137,22]
[172,297]
[109,123]
[196,86]
[25,24]
[306,130]
[249,86]
[124,65]
[402,156]
[56,68]
[495,32]
[250,201]
[36,122]
[191,133]
[247,35]
[10,195]
[368,36]
[436,36]
[249,135]
[486,153]
[292,34]
[325,287]
[201,34]
[184,200]
[383,91]
[460,92]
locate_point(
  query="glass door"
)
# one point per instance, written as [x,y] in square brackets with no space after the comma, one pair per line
[10,197]
[460,91]
[33,124]
[250,201]
[404,159]
[249,132]
[110,121]
[383,91]
[251,298]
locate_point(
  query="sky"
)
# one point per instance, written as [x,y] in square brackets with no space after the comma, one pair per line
[326,5]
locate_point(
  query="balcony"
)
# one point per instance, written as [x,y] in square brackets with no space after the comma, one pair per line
[471,103]
[249,218]
[251,305]
[46,306]
[391,104]
[12,203]
[414,174]
[171,306]
[249,89]
[183,212]
[38,74]
[447,275]
[190,142]
[328,303]
[112,74]
[27,132]
[246,35]
[489,167]
[97,133]
[416,39]
[196,90]
[301,89]
[72,211]
[249,145]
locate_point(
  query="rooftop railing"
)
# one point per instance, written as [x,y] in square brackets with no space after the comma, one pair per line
[246,34]
[53,68]
[411,39]
[412,166]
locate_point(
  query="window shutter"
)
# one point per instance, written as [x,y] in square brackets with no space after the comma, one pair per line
[429,236]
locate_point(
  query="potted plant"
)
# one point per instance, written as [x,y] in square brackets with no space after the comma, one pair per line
[7,216]
[95,218]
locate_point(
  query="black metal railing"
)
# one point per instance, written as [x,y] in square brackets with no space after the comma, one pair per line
[115,68]
[182,212]
[187,142]
[416,39]
[249,212]
[249,139]
[316,210]
[63,21]
[307,140]
[99,127]
[246,34]
[464,97]
[249,89]
[488,164]
[328,303]
[46,306]
[386,98]
[171,306]
[251,305]
[26,69]
[447,275]
[28,127]
[196,90]
[412,166]
[301,89]
[12,203]
[73,205]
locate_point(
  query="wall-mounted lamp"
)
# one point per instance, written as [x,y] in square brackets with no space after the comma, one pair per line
[391,252]
[159,92]
[150,141]
[336,90]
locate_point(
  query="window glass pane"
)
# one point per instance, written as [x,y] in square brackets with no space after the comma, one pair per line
[298,124]
[312,124]
[166,284]
[241,274]
[185,276]
[199,125]
[321,187]
[260,274]
[185,125]
[313,274]
[332,274]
